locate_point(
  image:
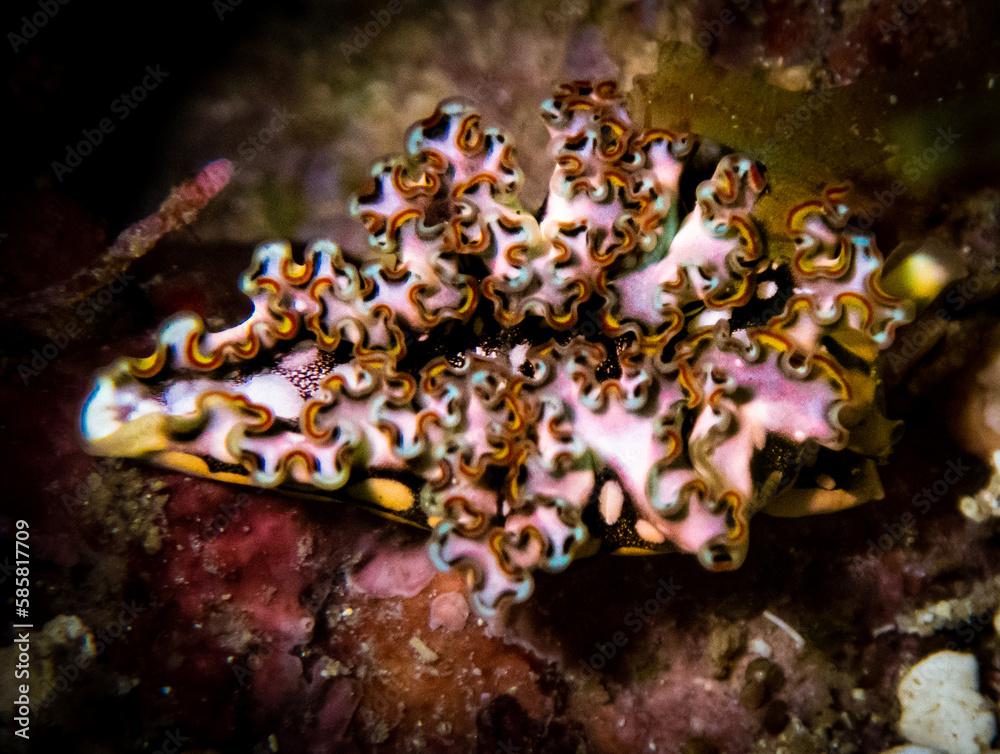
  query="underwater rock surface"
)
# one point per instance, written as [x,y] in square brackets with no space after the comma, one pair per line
[233,619]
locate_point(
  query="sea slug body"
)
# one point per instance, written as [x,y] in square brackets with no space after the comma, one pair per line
[628,369]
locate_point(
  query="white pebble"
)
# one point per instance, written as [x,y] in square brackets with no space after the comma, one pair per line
[942,707]
[760,647]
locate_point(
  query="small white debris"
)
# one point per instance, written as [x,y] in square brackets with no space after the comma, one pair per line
[942,707]
[425,653]
[761,648]
[910,749]
[767,289]
[331,668]
[610,501]
[792,633]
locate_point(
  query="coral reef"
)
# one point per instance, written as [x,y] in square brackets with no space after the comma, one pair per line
[651,379]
